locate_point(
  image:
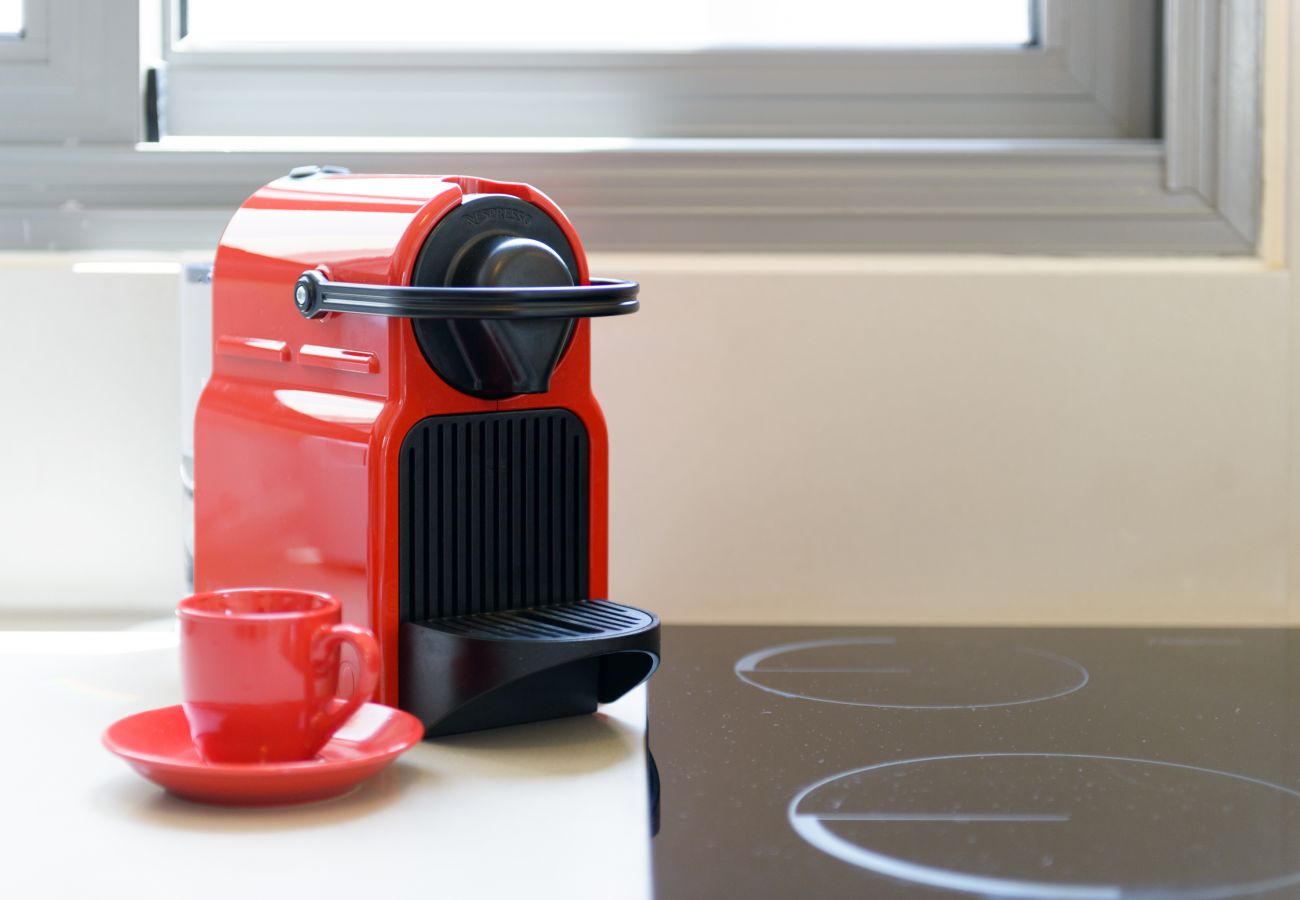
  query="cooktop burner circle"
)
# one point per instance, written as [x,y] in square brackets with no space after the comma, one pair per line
[911,673]
[1057,825]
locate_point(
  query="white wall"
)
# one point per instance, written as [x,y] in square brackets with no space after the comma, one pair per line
[950,441]
[90,443]
[793,439]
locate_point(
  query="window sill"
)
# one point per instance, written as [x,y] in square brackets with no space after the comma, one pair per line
[878,195]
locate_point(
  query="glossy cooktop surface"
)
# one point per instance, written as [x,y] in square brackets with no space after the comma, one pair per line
[1031,763]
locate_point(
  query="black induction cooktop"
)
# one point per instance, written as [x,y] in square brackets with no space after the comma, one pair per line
[1026,763]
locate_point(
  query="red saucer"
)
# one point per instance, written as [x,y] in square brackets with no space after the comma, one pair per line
[157,744]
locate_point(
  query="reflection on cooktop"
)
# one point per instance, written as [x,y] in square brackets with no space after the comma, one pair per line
[911,673]
[1055,825]
[1072,763]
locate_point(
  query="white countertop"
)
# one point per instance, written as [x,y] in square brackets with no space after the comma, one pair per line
[556,809]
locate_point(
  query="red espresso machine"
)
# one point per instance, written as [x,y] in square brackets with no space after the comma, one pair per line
[400,414]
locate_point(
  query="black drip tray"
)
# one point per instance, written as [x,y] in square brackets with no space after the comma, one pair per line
[562,621]
[466,673]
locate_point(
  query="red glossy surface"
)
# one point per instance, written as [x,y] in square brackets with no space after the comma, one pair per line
[296,464]
[260,673]
[157,745]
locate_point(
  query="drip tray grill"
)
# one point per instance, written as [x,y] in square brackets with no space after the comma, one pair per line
[484,669]
[560,621]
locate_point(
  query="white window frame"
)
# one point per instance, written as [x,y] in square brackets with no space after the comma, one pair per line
[73,74]
[1089,76]
[32,42]
[1196,190]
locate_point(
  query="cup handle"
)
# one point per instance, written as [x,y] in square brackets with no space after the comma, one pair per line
[363,642]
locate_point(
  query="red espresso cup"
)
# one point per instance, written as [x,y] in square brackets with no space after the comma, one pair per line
[260,672]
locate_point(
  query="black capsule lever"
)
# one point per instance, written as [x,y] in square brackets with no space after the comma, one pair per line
[314,295]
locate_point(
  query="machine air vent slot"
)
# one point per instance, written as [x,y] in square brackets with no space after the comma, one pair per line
[494,517]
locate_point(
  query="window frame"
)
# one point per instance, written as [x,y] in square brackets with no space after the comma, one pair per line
[1085,78]
[1195,191]
[32,43]
[78,65]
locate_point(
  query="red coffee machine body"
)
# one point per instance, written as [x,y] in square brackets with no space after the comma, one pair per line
[400,414]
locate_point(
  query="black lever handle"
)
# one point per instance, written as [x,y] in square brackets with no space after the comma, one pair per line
[314,296]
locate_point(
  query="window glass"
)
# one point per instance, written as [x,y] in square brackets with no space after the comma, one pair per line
[674,25]
[11,18]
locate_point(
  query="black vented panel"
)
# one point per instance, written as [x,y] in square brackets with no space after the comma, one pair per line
[581,619]
[493,513]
